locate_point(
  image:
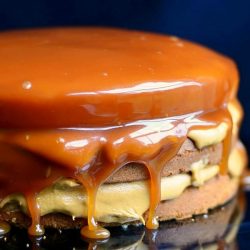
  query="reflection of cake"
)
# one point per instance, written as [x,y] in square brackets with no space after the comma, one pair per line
[135,120]
[216,230]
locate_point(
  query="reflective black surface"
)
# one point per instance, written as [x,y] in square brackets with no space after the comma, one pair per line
[216,230]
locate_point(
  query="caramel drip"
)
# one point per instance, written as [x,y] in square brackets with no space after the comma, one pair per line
[26,173]
[155,168]
[224,115]
[155,197]
[35,228]
[221,115]
[93,230]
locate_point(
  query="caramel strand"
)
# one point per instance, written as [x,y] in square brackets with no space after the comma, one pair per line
[155,169]
[35,228]
[93,230]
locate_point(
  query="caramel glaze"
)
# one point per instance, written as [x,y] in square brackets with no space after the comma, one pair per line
[97,77]
[82,103]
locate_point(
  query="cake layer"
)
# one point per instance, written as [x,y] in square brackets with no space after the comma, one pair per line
[198,200]
[217,228]
[91,76]
[181,163]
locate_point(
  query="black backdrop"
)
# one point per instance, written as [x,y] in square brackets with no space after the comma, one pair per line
[223,25]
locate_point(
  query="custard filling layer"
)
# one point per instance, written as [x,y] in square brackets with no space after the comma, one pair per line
[204,138]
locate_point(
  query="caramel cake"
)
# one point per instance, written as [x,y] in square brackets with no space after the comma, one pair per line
[104,127]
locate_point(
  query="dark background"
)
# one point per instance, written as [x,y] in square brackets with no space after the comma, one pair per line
[223,25]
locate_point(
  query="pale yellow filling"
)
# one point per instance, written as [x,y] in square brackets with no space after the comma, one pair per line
[236,116]
[237,160]
[204,138]
[121,202]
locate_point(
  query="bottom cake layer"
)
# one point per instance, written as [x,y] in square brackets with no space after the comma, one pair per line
[192,201]
[215,230]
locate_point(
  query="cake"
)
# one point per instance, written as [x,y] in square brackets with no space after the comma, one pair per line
[104,127]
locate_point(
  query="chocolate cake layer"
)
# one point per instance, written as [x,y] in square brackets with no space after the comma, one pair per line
[181,163]
[198,200]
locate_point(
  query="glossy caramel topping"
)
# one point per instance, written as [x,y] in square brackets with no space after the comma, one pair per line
[93,76]
[84,102]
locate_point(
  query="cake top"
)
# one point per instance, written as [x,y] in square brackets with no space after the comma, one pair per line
[67,77]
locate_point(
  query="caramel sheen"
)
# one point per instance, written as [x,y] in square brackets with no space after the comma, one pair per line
[92,76]
[84,102]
